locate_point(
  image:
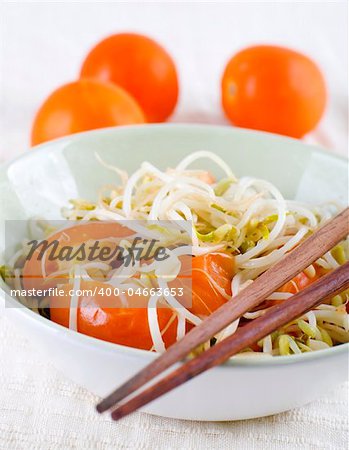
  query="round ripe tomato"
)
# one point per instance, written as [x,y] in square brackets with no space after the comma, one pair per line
[139,65]
[211,282]
[117,324]
[84,105]
[33,277]
[273,89]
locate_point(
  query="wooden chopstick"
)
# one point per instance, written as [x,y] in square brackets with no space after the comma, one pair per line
[294,262]
[276,317]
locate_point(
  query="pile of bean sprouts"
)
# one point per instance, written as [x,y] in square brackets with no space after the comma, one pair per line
[247,217]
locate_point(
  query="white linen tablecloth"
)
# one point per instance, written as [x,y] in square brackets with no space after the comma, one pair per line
[41,409]
[43,44]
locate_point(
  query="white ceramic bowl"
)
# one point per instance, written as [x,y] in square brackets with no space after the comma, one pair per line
[43,180]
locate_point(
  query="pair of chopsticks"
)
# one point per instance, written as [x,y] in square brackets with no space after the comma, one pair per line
[294,262]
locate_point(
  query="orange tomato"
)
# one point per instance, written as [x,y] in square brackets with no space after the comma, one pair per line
[140,66]
[33,277]
[273,89]
[84,105]
[302,280]
[211,282]
[298,283]
[117,324]
[105,317]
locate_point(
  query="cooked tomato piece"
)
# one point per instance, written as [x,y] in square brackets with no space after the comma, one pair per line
[33,276]
[105,317]
[211,282]
[302,280]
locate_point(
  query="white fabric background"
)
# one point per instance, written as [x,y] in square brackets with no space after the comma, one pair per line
[43,45]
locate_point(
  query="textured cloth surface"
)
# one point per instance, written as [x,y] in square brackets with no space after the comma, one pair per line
[41,409]
[42,47]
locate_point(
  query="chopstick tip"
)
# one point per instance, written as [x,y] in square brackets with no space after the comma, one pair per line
[100,408]
[117,414]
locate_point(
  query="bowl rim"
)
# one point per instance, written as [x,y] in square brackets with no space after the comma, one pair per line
[82,339]
[182,126]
